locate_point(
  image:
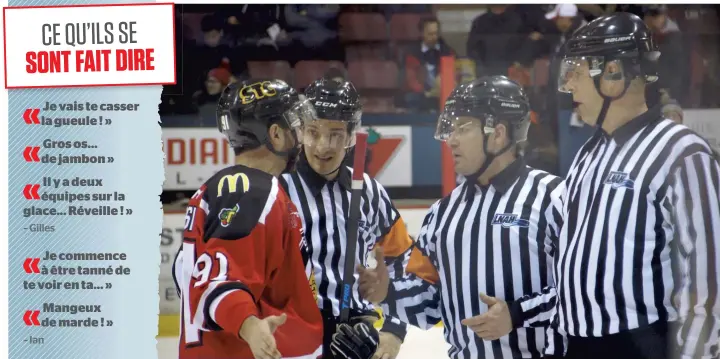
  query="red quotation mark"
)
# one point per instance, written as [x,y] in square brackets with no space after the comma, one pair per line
[31,318]
[30,154]
[30,191]
[30,265]
[31,116]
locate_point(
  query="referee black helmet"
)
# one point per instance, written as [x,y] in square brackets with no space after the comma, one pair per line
[328,140]
[623,38]
[492,100]
[336,101]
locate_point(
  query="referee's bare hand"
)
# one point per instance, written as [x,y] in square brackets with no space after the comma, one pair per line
[373,283]
[494,323]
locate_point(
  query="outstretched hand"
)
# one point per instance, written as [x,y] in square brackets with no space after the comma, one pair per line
[258,333]
[494,323]
[373,283]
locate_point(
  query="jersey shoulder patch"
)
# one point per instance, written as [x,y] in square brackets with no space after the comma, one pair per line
[237,198]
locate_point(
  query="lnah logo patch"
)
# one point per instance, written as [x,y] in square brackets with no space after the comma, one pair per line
[619,180]
[507,220]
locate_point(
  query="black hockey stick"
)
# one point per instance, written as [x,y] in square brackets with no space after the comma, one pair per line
[352,223]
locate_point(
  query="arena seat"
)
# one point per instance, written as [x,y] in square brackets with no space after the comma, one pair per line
[271,69]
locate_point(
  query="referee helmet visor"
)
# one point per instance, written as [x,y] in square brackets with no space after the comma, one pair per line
[574,71]
[328,134]
[459,125]
[301,114]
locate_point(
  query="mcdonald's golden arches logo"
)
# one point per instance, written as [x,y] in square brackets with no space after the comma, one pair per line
[232,181]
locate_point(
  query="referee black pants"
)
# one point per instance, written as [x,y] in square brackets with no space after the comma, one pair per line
[650,342]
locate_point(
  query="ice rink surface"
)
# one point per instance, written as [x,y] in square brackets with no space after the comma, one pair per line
[418,344]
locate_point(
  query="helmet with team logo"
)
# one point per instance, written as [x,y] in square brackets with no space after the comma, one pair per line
[335,101]
[247,109]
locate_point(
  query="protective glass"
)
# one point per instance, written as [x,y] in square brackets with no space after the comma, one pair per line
[455,126]
[574,69]
[298,116]
[329,134]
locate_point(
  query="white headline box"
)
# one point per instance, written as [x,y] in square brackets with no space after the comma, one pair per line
[89,45]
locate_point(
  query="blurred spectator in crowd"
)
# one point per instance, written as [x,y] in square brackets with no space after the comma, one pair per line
[494,40]
[335,74]
[533,15]
[250,23]
[258,30]
[315,27]
[534,18]
[673,65]
[564,20]
[560,23]
[592,11]
[213,50]
[212,28]
[207,98]
[557,25]
[422,67]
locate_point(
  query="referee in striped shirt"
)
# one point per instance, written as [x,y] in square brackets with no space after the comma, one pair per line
[483,246]
[320,189]
[637,274]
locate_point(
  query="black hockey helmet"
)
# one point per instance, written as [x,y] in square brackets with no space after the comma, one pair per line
[491,100]
[621,37]
[337,101]
[247,109]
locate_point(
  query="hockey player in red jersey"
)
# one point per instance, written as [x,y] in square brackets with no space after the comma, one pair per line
[241,270]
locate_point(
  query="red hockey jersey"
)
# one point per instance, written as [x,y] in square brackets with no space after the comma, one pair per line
[242,255]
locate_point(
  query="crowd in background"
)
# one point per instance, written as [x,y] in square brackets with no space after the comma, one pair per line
[392,53]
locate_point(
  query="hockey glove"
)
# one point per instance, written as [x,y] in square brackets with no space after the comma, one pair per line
[354,341]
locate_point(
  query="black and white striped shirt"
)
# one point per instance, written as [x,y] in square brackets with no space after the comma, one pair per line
[483,240]
[323,207]
[642,214]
